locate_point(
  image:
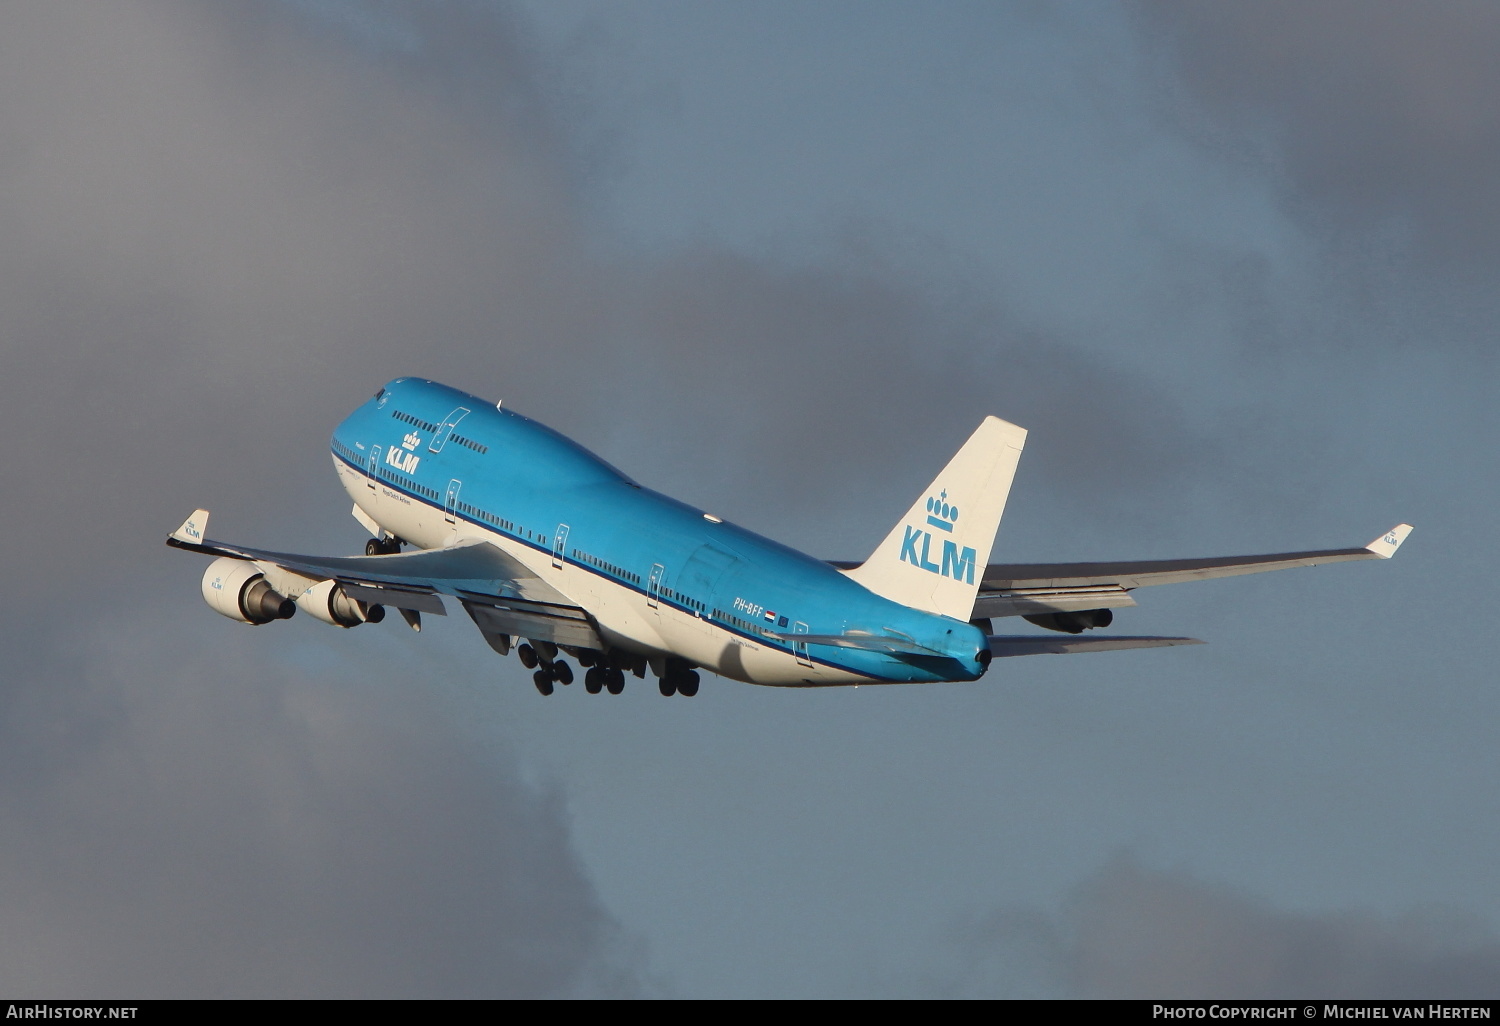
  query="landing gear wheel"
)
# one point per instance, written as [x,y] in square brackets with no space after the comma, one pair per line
[374,548]
[527,655]
[543,681]
[667,686]
[563,672]
[593,681]
[687,684]
[614,680]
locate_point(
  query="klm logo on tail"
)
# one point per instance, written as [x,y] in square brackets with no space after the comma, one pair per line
[957,564]
[938,537]
[940,514]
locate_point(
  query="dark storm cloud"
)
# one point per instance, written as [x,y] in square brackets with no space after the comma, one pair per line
[1131,932]
[223,229]
[222,226]
[221,233]
[216,230]
[837,375]
[214,826]
[1381,114]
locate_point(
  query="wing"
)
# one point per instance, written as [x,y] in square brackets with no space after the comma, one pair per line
[500,593]
[1021,589]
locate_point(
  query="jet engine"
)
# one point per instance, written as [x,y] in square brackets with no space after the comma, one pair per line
[1073,623]
[236,589]
[327,601]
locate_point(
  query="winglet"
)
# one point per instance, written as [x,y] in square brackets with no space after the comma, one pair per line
[193,528]
[1386,545]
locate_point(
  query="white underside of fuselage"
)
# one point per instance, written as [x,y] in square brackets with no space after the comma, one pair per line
[624,617]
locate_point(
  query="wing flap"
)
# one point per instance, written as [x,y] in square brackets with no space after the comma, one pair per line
[1027,644]
[399,598]
[560,625]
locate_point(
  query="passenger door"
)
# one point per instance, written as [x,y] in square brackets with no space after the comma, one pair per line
[799,648]
[450,504]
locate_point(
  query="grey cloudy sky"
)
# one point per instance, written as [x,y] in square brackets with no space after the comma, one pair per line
[1234,268]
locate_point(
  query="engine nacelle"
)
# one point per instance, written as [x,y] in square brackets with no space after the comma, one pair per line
[236,589]
[1072,623]
[326,601]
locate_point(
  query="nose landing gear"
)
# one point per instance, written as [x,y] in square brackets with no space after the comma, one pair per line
[387,546]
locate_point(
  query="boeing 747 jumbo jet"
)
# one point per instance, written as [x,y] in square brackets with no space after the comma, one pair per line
[552,551]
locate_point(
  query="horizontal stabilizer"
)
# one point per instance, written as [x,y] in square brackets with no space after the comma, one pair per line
[1028,644]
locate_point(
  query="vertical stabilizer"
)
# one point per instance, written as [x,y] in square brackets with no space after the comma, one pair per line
[934,560]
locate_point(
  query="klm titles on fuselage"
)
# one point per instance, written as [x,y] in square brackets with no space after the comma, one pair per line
[957,563]
[405,460]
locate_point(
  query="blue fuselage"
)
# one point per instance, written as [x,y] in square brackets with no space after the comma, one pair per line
[435,465]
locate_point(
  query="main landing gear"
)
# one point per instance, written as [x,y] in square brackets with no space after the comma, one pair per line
[549,668]
[602,678]
[388,546]
[678,679]
[604,671]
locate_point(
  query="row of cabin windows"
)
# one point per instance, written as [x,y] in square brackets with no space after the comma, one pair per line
[346,452]
[416,486]
[414,421]
[606,566]
[488,517]
[464,507]
[667,593]
[467,443]
[677,596]
[500,522]
[744,625]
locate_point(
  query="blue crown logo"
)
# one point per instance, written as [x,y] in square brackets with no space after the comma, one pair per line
[940,514]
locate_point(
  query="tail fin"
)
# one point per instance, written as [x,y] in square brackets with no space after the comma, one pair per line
[934,560]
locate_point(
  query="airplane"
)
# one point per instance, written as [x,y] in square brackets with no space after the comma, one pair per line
[552,551]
